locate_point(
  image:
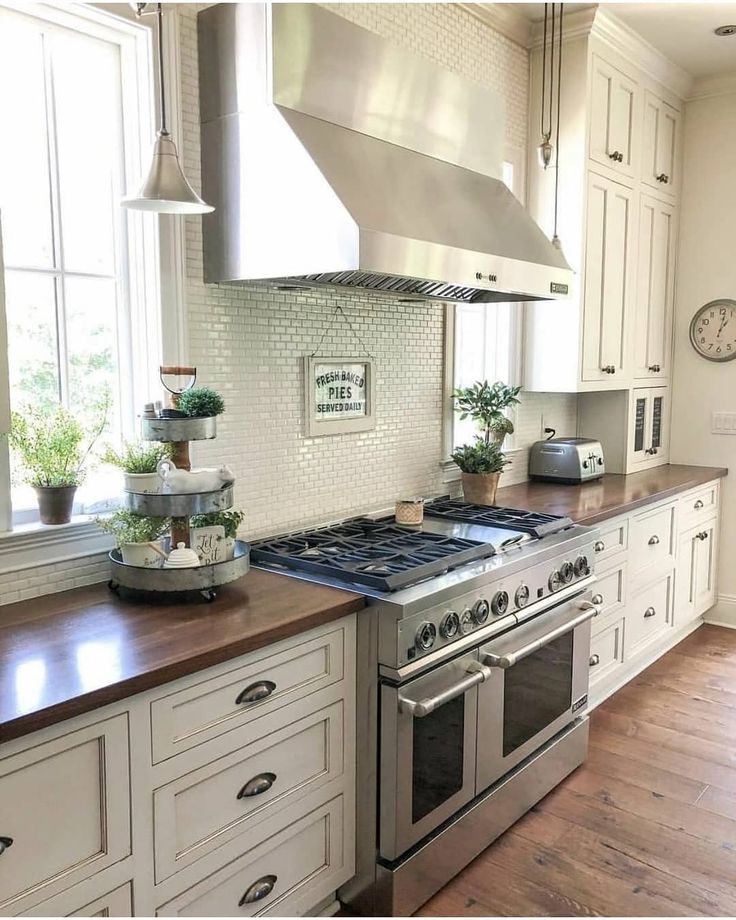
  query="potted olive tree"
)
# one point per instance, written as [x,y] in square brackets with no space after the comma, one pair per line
[482,462]
[139,463]
[138,537]
[52,448]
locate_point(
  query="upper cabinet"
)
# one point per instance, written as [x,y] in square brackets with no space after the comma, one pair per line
[613,109]
[660,145]
[617,218]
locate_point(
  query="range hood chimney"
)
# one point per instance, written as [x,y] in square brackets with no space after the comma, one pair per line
[334,157]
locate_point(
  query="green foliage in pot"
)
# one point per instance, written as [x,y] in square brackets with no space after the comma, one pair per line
[480,457]
[485,403]
[230,520]
[128,527]
[201,402]
[52,446]
[143,457]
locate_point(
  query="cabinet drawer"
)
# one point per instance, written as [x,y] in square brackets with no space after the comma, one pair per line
[614,538]
[699,504]
[611,585]
[607,651]
[649,613]
[652,538]
[66,805]
[117,903]
[286,875]
[201,711]
[203,810]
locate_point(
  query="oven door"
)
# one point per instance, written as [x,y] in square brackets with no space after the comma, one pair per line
[428,751]
[538,684]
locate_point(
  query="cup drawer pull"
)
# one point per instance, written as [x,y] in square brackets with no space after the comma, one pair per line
[654,540]
[594,660]
[5,842]
[259,890]
[255,692]
[698,504]
[257,786]
[649,612]
[599,546]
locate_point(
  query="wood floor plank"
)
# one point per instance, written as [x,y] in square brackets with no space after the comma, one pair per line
[705,690]
[646,775]
[719,801]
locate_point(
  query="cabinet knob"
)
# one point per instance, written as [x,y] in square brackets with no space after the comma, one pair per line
[5,842]
[698,504]
[255,692]
[661,177]
[654,368]
[703,535]
[257,786]
[597,599]
[594,660]
[649,612]
[259,890]
[651,451]
[599,546]
[616,156]
[653,540]
[608,369]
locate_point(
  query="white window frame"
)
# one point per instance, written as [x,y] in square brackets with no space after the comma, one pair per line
[515,156]
[157,276]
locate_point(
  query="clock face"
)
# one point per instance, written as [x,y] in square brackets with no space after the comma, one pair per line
[713,330]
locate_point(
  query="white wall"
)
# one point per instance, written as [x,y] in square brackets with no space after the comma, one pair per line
[707,270]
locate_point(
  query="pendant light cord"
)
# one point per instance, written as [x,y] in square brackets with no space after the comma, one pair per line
[551,67]
[163,130]
[545,134]
[557,133]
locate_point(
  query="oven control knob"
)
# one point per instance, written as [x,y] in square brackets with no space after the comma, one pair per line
[555,581]
[481,609]
[567,573]
[522,595]
[582,566]
[467,623]
[500,603]
[450,625]
[426,634]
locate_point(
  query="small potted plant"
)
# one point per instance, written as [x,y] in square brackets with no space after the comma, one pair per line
[138,537]
[485,403]
[201,402]
[51,449]
[229,521]
[481,465]
[139,463]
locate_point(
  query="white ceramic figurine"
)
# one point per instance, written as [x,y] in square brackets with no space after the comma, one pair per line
[177,482]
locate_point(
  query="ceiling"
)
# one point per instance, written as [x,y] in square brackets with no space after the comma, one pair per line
[683,32]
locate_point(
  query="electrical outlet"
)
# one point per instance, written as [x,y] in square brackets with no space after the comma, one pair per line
[724,423]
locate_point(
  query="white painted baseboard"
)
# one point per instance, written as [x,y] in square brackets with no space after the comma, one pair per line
[723,613]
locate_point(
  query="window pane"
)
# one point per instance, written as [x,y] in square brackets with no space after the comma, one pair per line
[24,171]
[31,314]
[87,101]
[92,347]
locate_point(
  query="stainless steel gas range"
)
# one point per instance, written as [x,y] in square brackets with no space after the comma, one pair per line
[473,682]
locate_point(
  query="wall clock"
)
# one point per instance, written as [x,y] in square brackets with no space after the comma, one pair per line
[713,330]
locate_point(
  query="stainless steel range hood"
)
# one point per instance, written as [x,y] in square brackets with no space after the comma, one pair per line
[334,157]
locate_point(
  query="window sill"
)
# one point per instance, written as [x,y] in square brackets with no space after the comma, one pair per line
[31,545]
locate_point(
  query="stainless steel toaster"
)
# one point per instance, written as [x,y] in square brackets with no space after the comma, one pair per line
[570,460]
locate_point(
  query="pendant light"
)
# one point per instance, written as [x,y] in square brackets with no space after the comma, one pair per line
[545,148]
[165,189]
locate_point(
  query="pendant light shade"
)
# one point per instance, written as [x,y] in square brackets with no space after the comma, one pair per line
[166,189]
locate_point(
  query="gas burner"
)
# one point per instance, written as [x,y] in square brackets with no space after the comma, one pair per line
[534,523]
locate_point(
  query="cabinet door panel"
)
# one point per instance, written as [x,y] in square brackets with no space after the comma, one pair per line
[607,267]
[654,289]
[660,142]
[704,595]
[612,117]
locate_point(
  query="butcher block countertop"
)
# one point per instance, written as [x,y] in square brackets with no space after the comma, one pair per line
[609,496]
[65,654]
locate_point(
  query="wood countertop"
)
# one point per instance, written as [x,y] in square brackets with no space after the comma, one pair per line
[68,653]
[609,496]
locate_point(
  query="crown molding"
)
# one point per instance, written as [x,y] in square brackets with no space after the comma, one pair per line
[595,20]
[722,84]
[502,18]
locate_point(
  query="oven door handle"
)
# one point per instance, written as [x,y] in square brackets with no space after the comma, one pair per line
[509,659]
[420,708]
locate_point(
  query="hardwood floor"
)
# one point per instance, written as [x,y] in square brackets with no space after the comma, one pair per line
[647,826]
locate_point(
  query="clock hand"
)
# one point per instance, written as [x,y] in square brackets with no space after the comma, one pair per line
[724,321]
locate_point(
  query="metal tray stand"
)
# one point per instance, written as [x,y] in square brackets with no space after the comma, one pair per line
[179,429]
[183,504]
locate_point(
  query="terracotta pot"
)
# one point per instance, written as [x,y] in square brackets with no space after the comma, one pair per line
[55,503]
[480,488]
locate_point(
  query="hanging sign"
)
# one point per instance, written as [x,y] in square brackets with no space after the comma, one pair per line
[339,395]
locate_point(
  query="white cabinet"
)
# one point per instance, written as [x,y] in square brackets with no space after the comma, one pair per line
[607,278]
[660,144]
[648,428]
[655,289]
[613,113]
[697,556]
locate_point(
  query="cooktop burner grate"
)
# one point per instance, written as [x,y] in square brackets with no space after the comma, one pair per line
[534,523]
[376,554]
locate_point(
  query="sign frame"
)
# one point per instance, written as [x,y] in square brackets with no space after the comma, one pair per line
[317,426]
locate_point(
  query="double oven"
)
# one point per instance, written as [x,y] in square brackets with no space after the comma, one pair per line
[452,728]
